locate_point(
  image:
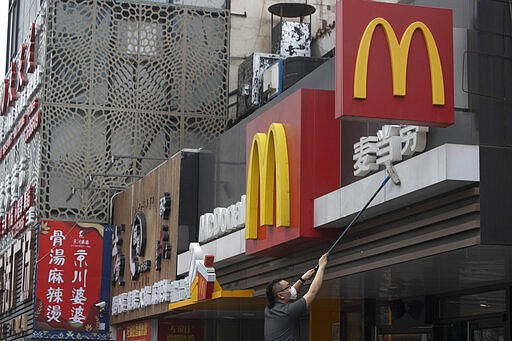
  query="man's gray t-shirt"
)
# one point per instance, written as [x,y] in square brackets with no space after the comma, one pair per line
[282,321]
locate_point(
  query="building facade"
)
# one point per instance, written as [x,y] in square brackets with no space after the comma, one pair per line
[122,87]
[429,258]
[95,95]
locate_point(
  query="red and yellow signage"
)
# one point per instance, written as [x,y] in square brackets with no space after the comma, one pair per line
[139,331]
[205,278]
[394,62]
[293,156]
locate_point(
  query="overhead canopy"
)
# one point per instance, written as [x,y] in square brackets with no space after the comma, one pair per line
[221,300]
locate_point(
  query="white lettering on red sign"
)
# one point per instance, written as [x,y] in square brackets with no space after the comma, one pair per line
[22,69]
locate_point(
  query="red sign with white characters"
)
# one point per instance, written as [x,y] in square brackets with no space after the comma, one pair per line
[69,268]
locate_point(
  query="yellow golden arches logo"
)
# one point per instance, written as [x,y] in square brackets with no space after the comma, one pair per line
[399,53]
[268,156]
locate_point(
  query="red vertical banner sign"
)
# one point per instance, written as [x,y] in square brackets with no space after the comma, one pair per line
[69,270]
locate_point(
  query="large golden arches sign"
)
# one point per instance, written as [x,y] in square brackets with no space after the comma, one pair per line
[268,156]
[399,53]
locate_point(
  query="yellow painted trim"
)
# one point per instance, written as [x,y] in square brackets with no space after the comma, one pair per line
[399,53]
[181,304]
[217,294]
[194,289]
[233,293]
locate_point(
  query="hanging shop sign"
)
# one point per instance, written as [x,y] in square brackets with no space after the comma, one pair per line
[401,69]
[199,284]
[70,268]
[293,154]
[222,221]
[391,144]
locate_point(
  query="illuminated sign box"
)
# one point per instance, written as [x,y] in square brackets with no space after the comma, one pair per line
[298,140]
[394,63]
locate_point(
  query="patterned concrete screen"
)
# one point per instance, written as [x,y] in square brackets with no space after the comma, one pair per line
[142,79]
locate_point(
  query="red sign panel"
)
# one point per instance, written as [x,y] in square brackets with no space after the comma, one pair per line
[69,269]
[313,169]
[139,331]
[178,330]
[394,62]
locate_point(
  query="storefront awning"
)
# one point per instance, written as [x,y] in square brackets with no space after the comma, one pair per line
[221,300]
[431,173]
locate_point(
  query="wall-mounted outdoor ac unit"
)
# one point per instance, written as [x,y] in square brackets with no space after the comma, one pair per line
[221,4]
[286,72]
[250,77]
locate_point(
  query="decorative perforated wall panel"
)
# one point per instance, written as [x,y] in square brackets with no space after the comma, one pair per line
[130,78]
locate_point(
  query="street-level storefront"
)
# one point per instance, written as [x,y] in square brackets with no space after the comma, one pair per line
[429,259]
[422,263]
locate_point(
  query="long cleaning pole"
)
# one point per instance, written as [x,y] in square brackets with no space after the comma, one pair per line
[356,217]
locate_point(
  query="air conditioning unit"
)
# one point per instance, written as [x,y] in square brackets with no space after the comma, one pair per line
[284,73]
[295,68]
[250,80]
[221,4]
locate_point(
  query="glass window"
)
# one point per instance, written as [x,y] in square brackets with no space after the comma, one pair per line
[472,305]
[489,334]
[13,30]
[404,337]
